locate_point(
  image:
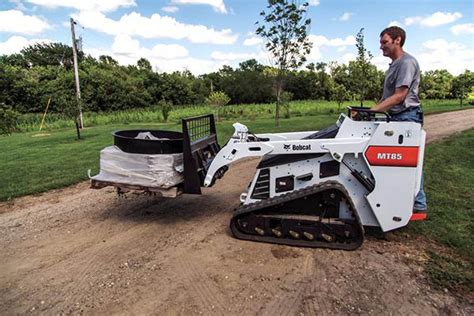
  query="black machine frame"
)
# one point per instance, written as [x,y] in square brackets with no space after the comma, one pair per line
[200,146]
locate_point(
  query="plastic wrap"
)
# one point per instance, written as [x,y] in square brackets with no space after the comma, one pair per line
[156,171]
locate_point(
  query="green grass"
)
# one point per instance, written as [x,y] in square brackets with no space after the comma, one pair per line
[449,171]
[33,164]
[32,122]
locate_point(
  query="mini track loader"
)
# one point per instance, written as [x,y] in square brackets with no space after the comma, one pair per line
[314,189]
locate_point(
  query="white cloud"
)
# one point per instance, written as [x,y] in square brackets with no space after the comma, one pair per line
[156,26]
[395,23]
[341,48]
[321,40]
[86,5]
[441,54]
[441,45]
[170,9]
[253,40]
[459,29]
[436,19]
[346,16]
[217,5]
[313,2]
[124,45]
[195,65]
[348,57]
[413,20]
[171,51]
[14,21]
[164,58]
[216,55]
[381,62]
[16,43]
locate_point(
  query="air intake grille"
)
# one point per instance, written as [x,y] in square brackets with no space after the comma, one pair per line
[261,190]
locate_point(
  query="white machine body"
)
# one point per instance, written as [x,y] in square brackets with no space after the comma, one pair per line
[390,154]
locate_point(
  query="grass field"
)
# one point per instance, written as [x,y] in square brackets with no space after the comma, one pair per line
[31,122]
[449,178]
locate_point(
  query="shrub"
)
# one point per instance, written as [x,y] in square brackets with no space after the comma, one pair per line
[165,108]
[8,119]
[217,99]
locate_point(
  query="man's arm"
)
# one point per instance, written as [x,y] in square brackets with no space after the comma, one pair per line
[397,98]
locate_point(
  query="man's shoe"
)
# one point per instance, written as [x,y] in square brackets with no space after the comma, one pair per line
[418,214]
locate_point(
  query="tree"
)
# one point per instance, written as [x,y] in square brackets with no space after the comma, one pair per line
[285,30]
[108,60]
[144,64]
[436,84]
[462,85]
[218,99]
[49,54]
[361,72]
[339,94]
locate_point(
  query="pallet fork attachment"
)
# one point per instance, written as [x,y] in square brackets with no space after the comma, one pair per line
[200,146]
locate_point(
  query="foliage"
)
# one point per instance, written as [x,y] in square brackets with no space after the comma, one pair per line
[8,119]
[340,94]
[28,81]
[285,30]
[285,102]
[361,73]
[462,85]
[436,84]
[165,108]
[218,99]
[49,54]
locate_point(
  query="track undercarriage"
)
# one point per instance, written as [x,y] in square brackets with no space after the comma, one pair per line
[307,217]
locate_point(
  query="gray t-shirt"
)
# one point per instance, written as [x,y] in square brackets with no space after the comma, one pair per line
[404,71]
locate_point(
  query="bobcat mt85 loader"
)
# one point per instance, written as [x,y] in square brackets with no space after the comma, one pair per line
[319,189]
[313,189]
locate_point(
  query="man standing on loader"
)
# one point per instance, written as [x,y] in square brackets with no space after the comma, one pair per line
[400,90]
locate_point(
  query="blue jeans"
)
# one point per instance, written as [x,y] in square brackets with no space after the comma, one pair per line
[414,114]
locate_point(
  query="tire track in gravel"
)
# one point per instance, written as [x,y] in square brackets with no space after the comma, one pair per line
[314,301]
[286,302]
[201,289]
[88,263]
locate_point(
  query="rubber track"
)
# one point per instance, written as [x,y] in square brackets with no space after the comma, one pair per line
[291,196]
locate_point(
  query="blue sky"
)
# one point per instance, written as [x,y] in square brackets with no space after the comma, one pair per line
[203,35]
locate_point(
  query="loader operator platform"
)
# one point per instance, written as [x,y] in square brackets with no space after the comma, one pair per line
[400,90]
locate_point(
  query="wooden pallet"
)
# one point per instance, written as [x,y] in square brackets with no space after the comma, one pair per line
[171,192]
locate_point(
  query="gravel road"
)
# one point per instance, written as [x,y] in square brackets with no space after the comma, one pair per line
[77,250]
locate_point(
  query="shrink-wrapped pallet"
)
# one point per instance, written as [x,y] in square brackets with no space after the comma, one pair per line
[145,170]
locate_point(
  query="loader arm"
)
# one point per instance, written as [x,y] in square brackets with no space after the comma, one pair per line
[241,145]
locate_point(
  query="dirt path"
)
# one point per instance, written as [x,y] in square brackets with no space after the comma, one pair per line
[80,250]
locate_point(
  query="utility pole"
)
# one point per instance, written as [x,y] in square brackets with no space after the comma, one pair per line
[76,73]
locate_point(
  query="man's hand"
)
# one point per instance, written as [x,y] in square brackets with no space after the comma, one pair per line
[397,98]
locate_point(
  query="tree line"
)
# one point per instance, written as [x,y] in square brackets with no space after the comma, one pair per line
[43,72]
